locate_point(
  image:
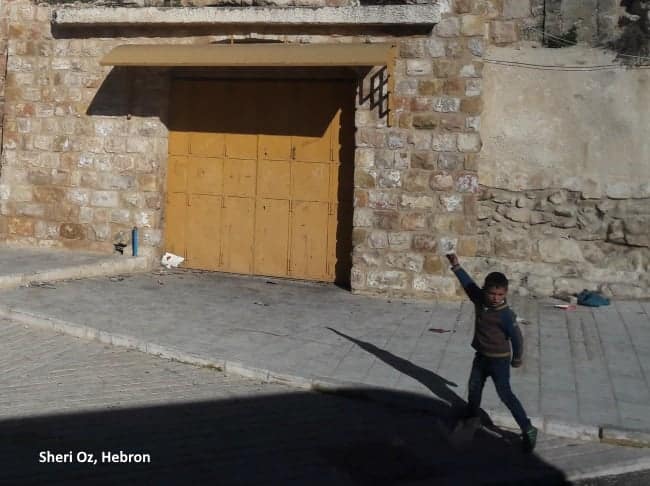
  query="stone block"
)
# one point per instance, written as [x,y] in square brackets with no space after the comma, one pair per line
[449,161]
[399,240]
[448,244]
[364,158]
[144,219]
[46,230]
[420,139]
[472,70]
[423,160]
[441,181]
[558,250]
[379,199]
[425,120]
[430,87]
[412,201]
[520,215]
[49,194]
[387,220]
[362,218]
[35,210]
[413,221]
[469,142]
[467,246]
[467,183]
[106,199]
[451,121]
[72,231]
[446,104]
[378,239]
[516,9]
[357,278]
[472,25]
[514,246]
[473,87]
[454,86]
[434,284]
[449,27]
[444,142]
[418,67]
[451,202]
[433,264]
[448,223]
[147,182]
[444,68]
[436,48]
[20,226]
[19,193]
[405,261]
[416,180]
[411,49]
[476,46]
[86,215]
[101,232]
[472,106]
[364,178]
[503,32]
[424,242]
[387,279]
[421,103]
[360,199]
[121,216]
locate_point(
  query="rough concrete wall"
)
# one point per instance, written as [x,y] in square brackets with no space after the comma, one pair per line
[565,173]
[85,148]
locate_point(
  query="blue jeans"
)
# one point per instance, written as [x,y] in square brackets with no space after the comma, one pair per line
[499,370]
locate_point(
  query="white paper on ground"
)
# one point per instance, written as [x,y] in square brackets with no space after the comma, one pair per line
[170,260]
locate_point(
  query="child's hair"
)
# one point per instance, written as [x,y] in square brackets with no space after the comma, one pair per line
[496,279]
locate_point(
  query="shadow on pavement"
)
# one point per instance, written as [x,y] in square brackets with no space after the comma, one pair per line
[298,438]
[448,407]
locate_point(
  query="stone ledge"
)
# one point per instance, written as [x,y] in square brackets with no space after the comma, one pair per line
[385,15]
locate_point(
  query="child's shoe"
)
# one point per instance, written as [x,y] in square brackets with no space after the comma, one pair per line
[530,439]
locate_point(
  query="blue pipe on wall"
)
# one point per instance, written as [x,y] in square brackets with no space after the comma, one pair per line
[134,241]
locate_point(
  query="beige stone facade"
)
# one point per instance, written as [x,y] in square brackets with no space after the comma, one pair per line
[85,146]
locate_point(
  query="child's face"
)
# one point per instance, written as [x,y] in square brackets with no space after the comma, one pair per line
[495,295]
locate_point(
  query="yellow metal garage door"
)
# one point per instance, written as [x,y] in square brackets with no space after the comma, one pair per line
[260,177]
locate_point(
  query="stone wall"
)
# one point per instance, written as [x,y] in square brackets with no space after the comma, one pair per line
[74,174]
[565,174]
[85,147]
[417,182]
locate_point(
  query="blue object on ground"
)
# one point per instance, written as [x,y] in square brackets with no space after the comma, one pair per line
[592,299]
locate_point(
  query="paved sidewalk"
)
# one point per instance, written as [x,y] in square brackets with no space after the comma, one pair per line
[22,266]
[585,374]
[72,396]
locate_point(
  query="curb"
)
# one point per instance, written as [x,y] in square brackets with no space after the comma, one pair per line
[601,433]
[110,266]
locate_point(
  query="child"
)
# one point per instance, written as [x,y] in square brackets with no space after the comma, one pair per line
[495,324]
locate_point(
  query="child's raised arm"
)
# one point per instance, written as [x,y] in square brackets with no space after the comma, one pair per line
[472,290]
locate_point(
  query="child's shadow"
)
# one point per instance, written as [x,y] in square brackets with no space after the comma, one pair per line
[447,406]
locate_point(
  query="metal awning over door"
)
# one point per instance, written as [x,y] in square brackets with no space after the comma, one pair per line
[247,55]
